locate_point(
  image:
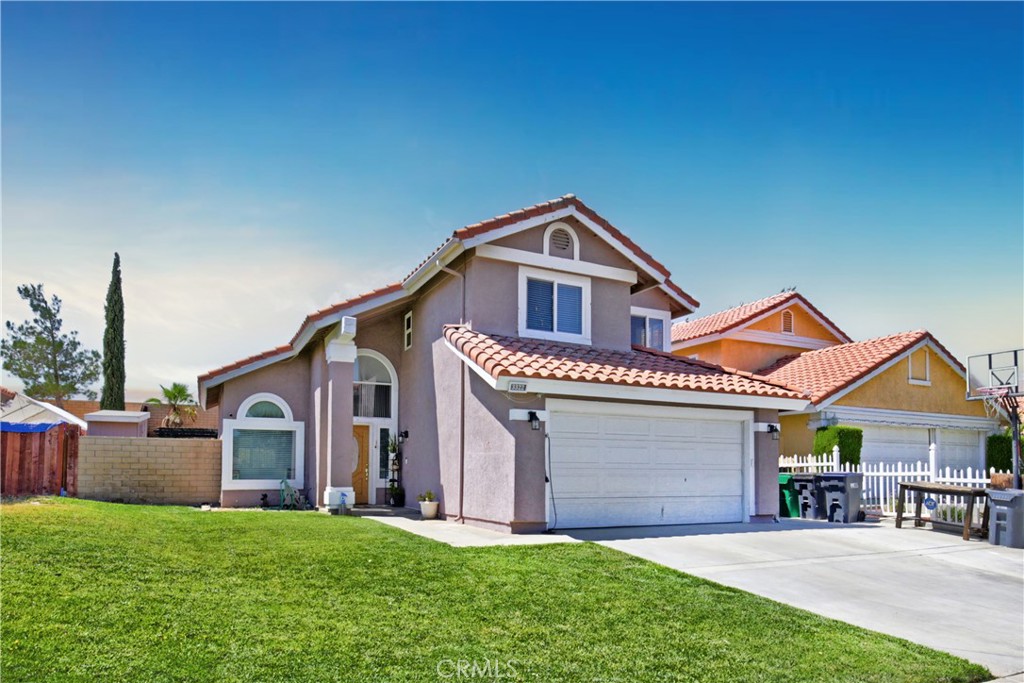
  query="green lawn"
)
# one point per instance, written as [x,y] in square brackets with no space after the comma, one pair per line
[94,591]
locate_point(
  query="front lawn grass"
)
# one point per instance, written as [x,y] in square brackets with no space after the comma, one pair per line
[95,591]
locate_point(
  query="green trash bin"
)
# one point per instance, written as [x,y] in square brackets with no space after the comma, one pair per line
[789,499]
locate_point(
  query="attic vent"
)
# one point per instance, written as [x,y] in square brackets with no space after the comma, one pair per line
[561,242]
[787,322]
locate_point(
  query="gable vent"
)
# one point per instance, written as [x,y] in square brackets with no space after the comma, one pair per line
[787,322]
[561,241]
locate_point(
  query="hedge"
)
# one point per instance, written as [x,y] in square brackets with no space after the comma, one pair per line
[998,448]
[849,440]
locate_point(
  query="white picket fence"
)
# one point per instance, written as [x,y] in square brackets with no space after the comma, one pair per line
[881,481]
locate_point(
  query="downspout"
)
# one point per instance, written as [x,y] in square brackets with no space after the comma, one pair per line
[462,396]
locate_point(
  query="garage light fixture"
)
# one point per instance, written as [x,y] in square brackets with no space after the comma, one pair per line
[534,420]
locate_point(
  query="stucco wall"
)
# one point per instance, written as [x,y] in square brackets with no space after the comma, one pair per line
[119,429]
[492,304]
[144,470]
[652,298]
[891,390]
[428,400]
[592,248]
[710,352]
[804,324]
[766,467]
[796,438]
[288,379]
[751,356]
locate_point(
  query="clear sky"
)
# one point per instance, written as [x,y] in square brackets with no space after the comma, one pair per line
[254,162]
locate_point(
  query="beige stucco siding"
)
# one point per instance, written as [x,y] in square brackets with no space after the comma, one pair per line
[804,325]
[796,438]
[652,298]
[892,390]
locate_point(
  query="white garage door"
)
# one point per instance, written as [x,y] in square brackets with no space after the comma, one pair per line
[957,448]
[618,465]
[960,449]
[894,444]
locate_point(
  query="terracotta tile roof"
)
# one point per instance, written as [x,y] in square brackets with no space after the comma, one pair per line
[502,356]
[716,323]
[287,348]
[6,394]
[338,307]
[824,372]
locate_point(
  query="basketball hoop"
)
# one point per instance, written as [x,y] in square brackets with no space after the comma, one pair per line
[997,379]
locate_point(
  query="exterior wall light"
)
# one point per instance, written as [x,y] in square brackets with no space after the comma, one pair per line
[534,420]
[773,429]
[402,436]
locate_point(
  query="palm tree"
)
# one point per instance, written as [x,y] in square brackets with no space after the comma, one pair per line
[181,401]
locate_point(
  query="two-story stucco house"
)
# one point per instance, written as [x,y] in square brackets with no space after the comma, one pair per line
[525,368]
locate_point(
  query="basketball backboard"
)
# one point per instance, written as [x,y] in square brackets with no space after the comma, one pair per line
[995,375]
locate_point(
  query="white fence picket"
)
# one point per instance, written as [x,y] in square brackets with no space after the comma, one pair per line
[881,481]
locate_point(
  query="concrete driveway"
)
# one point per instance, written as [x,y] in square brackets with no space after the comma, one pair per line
[930,587]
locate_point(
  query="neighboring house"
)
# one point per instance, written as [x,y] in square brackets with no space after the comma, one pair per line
[18,408]
[906,391]
[524,365]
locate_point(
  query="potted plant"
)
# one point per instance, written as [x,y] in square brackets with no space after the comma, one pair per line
[428,505]
[396,494]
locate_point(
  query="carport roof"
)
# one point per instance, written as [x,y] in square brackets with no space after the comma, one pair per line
[516,357]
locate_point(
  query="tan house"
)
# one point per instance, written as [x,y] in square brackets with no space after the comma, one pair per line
[523,372]
[905,391]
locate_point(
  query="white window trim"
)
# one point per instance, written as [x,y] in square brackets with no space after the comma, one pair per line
[264,396]
[572,233]
[792,322]
[407,331]
[527,273]
[227,483]
[666,320]
[389,366]
[927,381]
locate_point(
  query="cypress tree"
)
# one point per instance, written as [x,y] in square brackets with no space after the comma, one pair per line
[112,397]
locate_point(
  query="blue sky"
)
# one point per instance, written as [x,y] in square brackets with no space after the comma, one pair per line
[253,162]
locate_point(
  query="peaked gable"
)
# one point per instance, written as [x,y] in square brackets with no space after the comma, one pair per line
[829,373]
[719,324]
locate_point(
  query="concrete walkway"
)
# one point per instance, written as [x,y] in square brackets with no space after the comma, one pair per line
[464,535]
[930,587]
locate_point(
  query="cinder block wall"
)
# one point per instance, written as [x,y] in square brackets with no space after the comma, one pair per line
[146,470]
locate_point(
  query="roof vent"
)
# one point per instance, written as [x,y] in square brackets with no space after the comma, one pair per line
[561,241]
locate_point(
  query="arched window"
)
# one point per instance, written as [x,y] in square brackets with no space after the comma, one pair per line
[787,322]
[561,240]
[264,446]
[372,386]
[265,409]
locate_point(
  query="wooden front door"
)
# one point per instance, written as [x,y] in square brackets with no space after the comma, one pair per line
[361,474]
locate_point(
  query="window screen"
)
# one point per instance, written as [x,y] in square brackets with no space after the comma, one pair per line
[570,309]
[263,454]
[657,333]
[540,301]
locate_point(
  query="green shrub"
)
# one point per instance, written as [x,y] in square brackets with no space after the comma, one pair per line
[849,440]
[998,448]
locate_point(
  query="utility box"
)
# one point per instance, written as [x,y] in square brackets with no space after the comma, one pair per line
[841,495]
[810,501]
[1006,517]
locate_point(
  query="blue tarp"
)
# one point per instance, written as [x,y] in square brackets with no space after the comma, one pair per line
[27,427]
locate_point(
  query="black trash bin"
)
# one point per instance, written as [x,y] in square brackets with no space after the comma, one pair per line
[841,496]
[810,500]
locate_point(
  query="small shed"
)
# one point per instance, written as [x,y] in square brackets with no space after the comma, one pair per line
[118,423]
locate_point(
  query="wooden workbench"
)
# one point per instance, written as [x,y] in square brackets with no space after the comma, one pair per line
[969,492]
